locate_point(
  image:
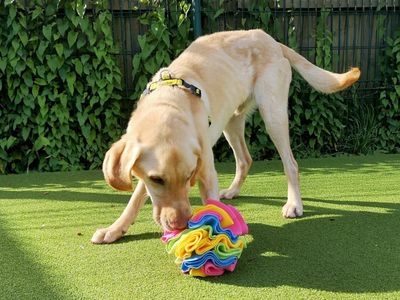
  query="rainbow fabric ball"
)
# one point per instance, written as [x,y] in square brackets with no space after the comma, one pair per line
[212,243]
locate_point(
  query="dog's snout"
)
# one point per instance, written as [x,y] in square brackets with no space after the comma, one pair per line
[176,224]
[171,218]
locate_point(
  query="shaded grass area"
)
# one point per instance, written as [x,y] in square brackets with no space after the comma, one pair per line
[346,245]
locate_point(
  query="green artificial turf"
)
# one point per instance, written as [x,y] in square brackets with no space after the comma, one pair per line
[347,244]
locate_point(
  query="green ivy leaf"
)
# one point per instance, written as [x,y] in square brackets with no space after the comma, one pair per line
[52,62]
[15,44]
[397,88]
[36,12]
[51,8]
[68,52]
[25,132]
[41,101]
[142,41]
[35,90]
[59,49]
[31,65]
[40,142]
[71,77]
[63,100]
[40,81]
[56,36]
[8,2]
[78,66]
[12,12]
[20,67]
[41,49]
[136,63]
[27,76]
[47,31]
[72,36]
[84,24]
[82,117]
[23,36]
[81,42]
[62,26]
[50,77]
[63,72]
[3,64]
[84,59]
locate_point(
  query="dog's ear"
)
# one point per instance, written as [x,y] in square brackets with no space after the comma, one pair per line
[118,163]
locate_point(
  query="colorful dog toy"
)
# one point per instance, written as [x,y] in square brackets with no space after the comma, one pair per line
[212,243]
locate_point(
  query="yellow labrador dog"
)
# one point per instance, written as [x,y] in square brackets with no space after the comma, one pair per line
[167,146]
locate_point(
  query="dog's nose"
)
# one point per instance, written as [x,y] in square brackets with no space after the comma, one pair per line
[178,223]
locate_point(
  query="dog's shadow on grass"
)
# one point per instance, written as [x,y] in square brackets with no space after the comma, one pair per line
[334,250]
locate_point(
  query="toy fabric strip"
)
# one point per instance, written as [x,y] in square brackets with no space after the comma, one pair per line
[213,222]
[210,231]
[197,261]
[225,217]
[199,241]
[228,216]
[209,269]
[170,235]
[239,226]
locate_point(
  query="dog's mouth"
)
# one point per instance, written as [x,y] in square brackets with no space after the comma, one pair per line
[166,225]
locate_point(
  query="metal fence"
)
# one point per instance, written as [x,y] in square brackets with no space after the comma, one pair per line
[359,29]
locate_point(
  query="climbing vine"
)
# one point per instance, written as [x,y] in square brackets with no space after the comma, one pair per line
[59,99]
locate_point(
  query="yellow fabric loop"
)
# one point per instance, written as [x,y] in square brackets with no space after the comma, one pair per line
[226,218]
[197,272]
[190,242]
[199,241]
[221,238]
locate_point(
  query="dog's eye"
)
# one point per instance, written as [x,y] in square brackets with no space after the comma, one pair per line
[157,180]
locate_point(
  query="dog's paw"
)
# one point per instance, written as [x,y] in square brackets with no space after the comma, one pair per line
[292,210]
[229,193]
[107,235]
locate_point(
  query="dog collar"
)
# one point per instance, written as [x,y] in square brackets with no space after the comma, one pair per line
[167,79]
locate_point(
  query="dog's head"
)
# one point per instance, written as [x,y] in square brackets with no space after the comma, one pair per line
[165,159]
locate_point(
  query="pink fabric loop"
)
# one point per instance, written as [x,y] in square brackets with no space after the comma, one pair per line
[169,235]
[239,226]
[212,270]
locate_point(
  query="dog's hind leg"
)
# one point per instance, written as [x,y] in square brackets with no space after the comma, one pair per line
[120,226]
[271,93]
[234,134]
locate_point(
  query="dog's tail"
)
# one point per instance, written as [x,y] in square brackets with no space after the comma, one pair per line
[320,79]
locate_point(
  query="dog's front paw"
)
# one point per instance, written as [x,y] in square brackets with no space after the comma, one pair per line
[107,235]
[229,193]
[292,210]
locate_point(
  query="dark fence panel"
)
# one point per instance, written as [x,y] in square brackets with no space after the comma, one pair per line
[359,29]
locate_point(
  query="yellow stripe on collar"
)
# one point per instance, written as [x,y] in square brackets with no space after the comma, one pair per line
[166,79]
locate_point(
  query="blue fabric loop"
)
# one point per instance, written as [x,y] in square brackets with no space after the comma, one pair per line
[197,261]
[214,222]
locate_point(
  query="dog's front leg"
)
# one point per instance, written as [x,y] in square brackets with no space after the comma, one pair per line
[120,226]
[208,179]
